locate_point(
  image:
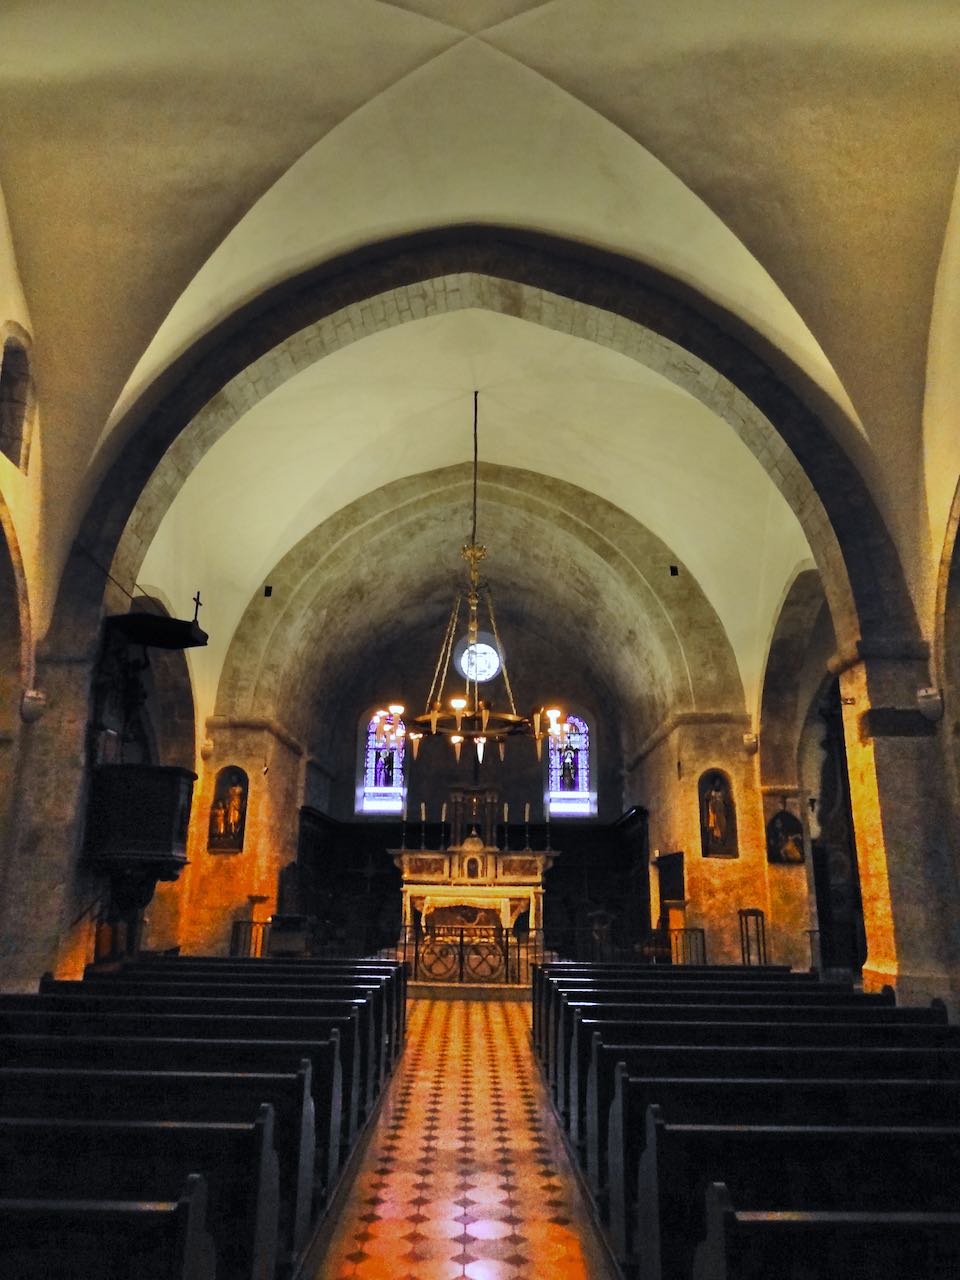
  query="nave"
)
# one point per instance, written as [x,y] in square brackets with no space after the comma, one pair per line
[465,1174]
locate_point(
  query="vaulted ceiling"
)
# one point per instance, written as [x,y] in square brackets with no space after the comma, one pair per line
[790,165]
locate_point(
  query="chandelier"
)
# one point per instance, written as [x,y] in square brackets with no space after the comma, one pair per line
[466,715]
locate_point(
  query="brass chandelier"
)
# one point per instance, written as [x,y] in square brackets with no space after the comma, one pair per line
[466,716]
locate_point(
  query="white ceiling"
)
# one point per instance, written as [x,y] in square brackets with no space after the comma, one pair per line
[400,403]
[791,160]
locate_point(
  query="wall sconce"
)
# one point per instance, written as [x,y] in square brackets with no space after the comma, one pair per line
[33,704]
[930,703]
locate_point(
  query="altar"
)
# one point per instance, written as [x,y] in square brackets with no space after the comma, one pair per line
[473,884]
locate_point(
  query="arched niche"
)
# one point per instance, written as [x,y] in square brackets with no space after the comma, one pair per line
[718,815]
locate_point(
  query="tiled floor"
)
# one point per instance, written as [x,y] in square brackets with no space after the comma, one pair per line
[466,1174]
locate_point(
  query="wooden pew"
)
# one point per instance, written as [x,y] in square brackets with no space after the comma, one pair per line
[830,1245]
[561,1001]
[91,1094]
[234,1000]
[569,972]
[766,1061]
[235,986]
[275,969]
[109,1239]
[574,1061]
[172,1054]
[149,1160]
[804,1168]
[733,1030]
[855,1101]
[342,1017]
[618,1005]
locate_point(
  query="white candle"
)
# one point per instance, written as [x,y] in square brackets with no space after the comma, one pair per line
[404,814]
[526,812]
[443,812]
[506,813]
[423,811]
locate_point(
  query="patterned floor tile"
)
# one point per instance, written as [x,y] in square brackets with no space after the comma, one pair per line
[465,1175]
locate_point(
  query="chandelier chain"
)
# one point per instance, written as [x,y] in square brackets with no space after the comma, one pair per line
[473,534]
[443,658]
[496,636]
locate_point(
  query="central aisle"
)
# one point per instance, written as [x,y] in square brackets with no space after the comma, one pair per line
[466,1174]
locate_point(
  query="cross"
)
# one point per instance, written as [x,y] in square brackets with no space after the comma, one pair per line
[197,602]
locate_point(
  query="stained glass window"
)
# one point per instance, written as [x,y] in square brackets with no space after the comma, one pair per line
[382,788]
[568,768]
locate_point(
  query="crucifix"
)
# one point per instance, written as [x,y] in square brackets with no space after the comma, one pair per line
[197,602]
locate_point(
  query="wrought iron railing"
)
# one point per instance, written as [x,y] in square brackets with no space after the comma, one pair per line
[471,954]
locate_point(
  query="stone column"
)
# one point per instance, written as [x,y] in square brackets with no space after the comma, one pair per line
[47,902]
[905,835]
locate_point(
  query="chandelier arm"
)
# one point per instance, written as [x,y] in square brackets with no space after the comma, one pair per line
[496,636]
[443,658]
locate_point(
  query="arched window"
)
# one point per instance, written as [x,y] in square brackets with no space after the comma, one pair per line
[381,786]
[568,771]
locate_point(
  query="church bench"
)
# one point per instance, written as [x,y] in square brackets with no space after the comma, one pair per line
[184,1026]
[228,1000]
[616,1022]
[745,1245]
[274,969]
[782,1167]
[560,995]
[382,989]
[560,1028]
[149,1160]
[109,1239]
[171,1054]
[602,974]
[853,1101]
[763,1061]
[743,1026]
[91,1094]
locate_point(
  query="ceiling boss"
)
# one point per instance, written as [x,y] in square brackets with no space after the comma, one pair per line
[478,656]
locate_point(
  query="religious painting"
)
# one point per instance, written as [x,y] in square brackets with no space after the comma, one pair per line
[718,817]
[785,837]
[228,813]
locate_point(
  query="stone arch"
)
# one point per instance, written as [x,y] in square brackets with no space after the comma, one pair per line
[16,394]
[802,605]
[947,644]
[599,296]
[281,640]
[16,670]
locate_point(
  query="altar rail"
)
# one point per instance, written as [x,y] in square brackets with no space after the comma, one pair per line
[475,954]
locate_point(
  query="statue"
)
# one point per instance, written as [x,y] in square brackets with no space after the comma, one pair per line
[718,823]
